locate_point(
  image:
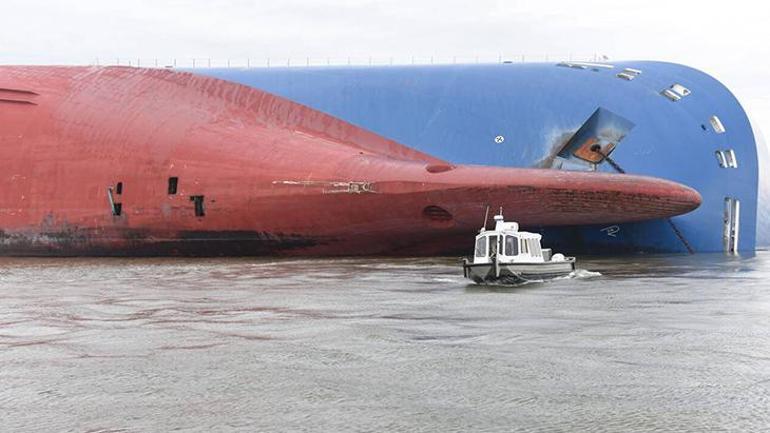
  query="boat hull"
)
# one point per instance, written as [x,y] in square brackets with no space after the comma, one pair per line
[515,273]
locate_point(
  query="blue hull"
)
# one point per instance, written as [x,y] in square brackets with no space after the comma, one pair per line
[522,115]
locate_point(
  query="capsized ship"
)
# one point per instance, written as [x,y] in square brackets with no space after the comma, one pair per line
[657,119]
[130,161]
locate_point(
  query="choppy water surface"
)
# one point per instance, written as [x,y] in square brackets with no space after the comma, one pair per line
[103,345]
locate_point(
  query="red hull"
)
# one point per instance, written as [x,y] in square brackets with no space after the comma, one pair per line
[275,177]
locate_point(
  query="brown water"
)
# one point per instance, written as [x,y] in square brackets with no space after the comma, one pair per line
[654,344]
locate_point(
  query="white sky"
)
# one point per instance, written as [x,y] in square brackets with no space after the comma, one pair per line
[730,40]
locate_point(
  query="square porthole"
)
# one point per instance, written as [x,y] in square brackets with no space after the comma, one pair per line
[173,184]
[200,211]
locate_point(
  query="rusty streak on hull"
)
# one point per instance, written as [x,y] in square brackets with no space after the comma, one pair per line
[274,177]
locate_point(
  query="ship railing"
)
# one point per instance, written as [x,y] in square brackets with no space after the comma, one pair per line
[319,61]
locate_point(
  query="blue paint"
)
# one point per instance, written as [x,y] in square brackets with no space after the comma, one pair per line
[457,112]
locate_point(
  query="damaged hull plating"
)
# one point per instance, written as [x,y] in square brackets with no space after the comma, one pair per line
[139,162]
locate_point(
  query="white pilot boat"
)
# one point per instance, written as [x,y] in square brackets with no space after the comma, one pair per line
[508,256]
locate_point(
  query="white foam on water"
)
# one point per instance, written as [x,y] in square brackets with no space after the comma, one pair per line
[446,280]
[584,273]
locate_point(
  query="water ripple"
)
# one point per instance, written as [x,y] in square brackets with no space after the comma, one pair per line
[639,344]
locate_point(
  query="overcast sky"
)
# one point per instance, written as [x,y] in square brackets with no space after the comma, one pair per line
[730,40]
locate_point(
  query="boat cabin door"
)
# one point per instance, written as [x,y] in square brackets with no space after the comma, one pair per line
[731,224]
[493,246]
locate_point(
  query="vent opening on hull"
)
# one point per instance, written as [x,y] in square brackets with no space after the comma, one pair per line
[438,168]
[173,183]
[437,214]
[732,216]
[198,201]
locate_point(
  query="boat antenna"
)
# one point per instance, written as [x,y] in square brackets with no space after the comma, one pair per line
[486,217]
[501,211]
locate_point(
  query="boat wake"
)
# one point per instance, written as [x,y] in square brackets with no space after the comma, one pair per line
[583,273]
[576,274]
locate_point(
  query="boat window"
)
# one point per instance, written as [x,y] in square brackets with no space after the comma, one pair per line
[119,188]
[629,74]
[481,247]
[732,162]
[719,128]
[492,246]
[524,247]
[670,94]
[721,158]
[676,92]
[534,247]
[511,246]
[680,90]
[726,158]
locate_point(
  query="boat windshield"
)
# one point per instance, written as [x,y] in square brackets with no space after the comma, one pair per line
[481,247]
[511,246]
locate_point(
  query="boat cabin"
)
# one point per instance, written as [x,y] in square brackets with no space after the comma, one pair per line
[508,245]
